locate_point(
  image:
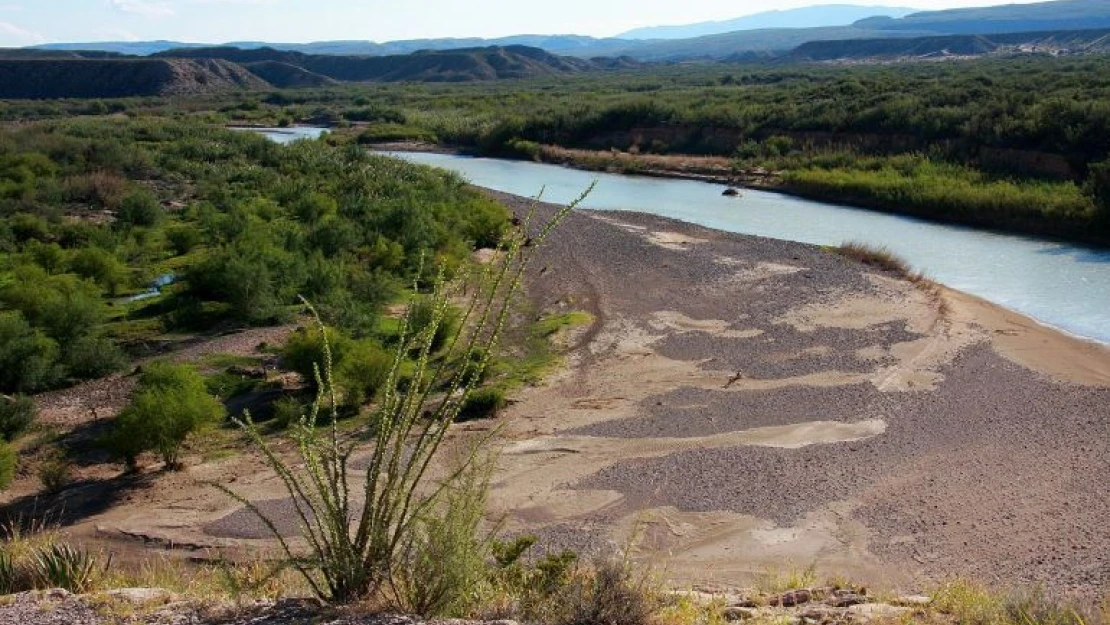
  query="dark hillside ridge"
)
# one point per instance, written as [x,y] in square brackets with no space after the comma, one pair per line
[558,44]
[210,70]
[491,63]
[286,75]
[1067,42]
[120,78]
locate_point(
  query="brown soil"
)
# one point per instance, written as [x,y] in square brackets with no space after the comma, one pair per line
[743,404]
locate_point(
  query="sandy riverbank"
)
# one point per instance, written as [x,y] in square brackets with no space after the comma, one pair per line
[742,405]
[747,403]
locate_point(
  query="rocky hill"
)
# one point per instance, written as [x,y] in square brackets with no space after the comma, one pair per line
[117,78]
[489,63]
[66,74]
[944,46]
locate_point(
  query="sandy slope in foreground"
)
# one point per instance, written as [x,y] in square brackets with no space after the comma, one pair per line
[743,404]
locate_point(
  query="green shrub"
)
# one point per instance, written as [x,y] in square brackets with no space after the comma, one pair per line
[444,560]
[183,238]
[28,358]
[304,351]
[287,411]
[8,462]
[139,208]
[171,403]
[101,267]
[483,403]
[421,314]
[362,372]
[91,357]
[10,577]
[56,472]
[16,416]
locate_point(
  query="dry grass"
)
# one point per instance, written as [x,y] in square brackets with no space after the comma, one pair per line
[887,261]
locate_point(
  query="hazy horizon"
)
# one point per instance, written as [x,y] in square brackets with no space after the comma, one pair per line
[26,22]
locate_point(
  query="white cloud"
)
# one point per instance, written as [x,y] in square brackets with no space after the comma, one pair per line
[12,35]
[146,8]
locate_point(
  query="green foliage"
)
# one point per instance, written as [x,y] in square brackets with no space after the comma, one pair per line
[307,349]
[91,356]
[483,403]
[101,267]
[921,186]
[183,238]
[8,462]
[56,472]
[171,403]
[362,372]
[139,208]
[17,414]
[9,574]
[356,546]
[1098,188]
[443,560]
[63,566]
[28,358]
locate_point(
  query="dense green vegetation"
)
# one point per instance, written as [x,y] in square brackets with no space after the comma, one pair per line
[93,211]
[1009,143]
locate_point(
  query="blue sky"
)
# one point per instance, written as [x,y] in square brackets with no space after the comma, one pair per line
[27,22]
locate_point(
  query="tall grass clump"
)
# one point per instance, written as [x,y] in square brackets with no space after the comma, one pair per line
[359,537]
[878,257]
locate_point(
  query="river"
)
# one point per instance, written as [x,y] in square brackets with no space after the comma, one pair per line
[1062,285]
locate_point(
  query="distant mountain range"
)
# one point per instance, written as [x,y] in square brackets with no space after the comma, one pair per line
[745,42]
[805,17]
[1095,41]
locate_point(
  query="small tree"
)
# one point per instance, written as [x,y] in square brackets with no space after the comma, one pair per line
[170,404]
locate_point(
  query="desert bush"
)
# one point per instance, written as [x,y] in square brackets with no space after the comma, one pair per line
[362,372]
[306,349]
[28,358]
[9,574]
[170,404]
[183,238]
[286,411]
[139,208]
[56,472]
[17,414]
[355,550]
[8,462]
[483,403]
[611,593]
[89,357]
[100,266]
[444,559]
[423,313]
